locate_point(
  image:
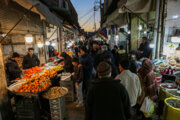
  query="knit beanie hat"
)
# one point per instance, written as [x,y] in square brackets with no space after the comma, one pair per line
[103,69]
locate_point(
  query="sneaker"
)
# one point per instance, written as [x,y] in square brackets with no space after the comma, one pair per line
[79,105]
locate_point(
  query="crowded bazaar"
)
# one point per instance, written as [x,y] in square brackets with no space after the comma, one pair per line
[89,60]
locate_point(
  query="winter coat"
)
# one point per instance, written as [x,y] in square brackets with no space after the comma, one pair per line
[78,74]
[12,69]
[106,53]
[87,62]
[146,50]
[29,62]
[107,99]
[95,56]
[51,51]
[115,54]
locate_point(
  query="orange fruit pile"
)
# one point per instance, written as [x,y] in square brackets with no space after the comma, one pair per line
[35,84]
[50,73]
[31,71]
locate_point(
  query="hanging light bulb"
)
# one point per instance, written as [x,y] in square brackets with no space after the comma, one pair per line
[29,38]
[40,44]
[117,36]
[129,32]
[140,27]
[53,44]
[47,43]
[151,45]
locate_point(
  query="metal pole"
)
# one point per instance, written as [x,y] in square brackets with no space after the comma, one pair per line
[130,27]
[95,17]
[159,31]
[162,27]
[101,12]
[156,28]
[44,39]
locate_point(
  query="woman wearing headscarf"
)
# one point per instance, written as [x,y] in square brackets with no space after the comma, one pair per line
[148,85]
[68,67]
[148,81]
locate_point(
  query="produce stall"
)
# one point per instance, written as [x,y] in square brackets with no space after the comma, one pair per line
[172,109]
[36,84]
[167,90]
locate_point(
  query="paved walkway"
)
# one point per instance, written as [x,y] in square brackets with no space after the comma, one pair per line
[74,113]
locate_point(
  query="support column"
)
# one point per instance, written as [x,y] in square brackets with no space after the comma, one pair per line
[130,29]
[60,39]
[3,81]
[44,40]
[164,11]
[156,28]
[5,107]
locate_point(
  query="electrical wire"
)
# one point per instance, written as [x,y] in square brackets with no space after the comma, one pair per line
[91,10]
[87,20]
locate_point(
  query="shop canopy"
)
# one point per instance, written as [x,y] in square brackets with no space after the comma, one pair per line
[120,16]
[42,10]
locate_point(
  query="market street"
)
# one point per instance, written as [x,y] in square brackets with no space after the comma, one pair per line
[89,60]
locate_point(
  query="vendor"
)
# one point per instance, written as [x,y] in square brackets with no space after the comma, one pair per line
[144,50]
[51,50]
[12,69]
[30,60]
[68,67]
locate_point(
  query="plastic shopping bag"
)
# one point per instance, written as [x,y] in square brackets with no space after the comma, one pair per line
[147,105]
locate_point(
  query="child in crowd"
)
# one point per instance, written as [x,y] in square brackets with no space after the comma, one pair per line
[78,78]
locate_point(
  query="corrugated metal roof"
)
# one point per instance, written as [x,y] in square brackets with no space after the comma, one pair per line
[42,10]
[10,14]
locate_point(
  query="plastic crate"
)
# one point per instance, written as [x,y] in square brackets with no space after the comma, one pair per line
[57,108]
[27,109]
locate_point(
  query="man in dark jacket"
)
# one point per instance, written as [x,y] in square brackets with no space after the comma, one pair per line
[107,99]
[144,50]
[30,60]
[12,69]
[86,61]
[105,51]
[107,58]
[95,54]
[51,50]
